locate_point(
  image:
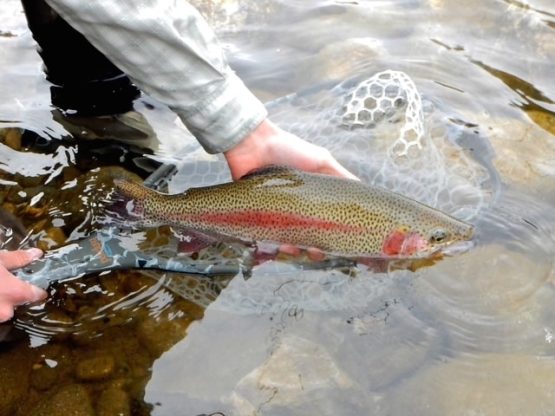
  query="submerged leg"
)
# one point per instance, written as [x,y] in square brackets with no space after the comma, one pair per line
[92,98]
[85,81]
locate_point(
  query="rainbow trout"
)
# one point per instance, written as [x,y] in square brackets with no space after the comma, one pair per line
[280,205]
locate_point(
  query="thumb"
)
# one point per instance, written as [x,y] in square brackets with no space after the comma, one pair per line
[19,258]
[18,292]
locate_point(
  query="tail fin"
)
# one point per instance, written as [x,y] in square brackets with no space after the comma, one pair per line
[127,204]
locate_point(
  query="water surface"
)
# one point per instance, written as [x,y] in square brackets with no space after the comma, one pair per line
[472,334]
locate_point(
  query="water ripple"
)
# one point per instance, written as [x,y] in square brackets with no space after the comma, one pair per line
[495,297]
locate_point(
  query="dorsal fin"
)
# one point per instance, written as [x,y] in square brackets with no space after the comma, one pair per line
[267,170]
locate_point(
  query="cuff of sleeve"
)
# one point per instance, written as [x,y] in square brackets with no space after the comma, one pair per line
[225,118]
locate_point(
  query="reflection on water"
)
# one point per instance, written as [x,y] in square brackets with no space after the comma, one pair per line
[496,289]
[316,342]
[471,334]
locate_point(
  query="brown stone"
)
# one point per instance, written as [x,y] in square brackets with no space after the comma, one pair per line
[96,368]
[69,400]
[56,235]
[15,368]
[160,334]
[13,139]
[113,402]
[488,384]
[43,377]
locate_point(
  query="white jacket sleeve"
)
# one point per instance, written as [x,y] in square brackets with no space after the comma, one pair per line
[171,53]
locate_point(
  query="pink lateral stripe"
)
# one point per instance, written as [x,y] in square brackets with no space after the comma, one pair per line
[265,219]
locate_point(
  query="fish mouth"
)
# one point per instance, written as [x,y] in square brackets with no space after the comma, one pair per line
[456,248]
[469,233]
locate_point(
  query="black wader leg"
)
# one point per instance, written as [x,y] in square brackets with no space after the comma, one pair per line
[85,82]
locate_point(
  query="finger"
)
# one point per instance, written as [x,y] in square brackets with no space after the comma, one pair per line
[19,258]
[6,311]
[17,292]
[289,249]
[315,254]
[336,169]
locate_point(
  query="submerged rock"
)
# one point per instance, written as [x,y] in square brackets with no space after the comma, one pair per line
[69,400]
[96,368]
[490,384]
[12,231]
[525,153]
[340,59]
[12,138]
[159,334]
[44,377]
[295,377]
[15,367]
[113,402]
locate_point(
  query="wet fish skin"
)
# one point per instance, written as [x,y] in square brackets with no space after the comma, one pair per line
[281,205]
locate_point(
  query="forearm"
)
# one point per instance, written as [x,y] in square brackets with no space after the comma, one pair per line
[169,51]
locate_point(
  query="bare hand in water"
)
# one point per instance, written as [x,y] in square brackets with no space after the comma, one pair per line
[270,145]
[14,292]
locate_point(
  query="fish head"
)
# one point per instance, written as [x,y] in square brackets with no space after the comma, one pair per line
[454,232]
[427,239]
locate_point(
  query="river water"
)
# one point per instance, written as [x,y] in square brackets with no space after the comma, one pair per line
[471,82]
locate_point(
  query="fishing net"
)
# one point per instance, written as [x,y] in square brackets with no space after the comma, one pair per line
[380,129]
[200,290]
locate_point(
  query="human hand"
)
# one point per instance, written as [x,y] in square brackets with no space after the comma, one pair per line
[14,291]
[270,145]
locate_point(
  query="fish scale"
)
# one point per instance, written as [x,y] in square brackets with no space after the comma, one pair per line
[281,205]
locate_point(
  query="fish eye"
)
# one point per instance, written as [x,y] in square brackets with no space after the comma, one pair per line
[438,236]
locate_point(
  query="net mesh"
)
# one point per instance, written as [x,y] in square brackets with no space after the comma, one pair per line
[380,129]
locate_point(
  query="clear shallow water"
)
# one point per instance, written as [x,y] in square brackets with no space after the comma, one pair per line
[472,334]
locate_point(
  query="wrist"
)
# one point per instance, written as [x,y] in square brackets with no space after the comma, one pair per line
[254,151]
